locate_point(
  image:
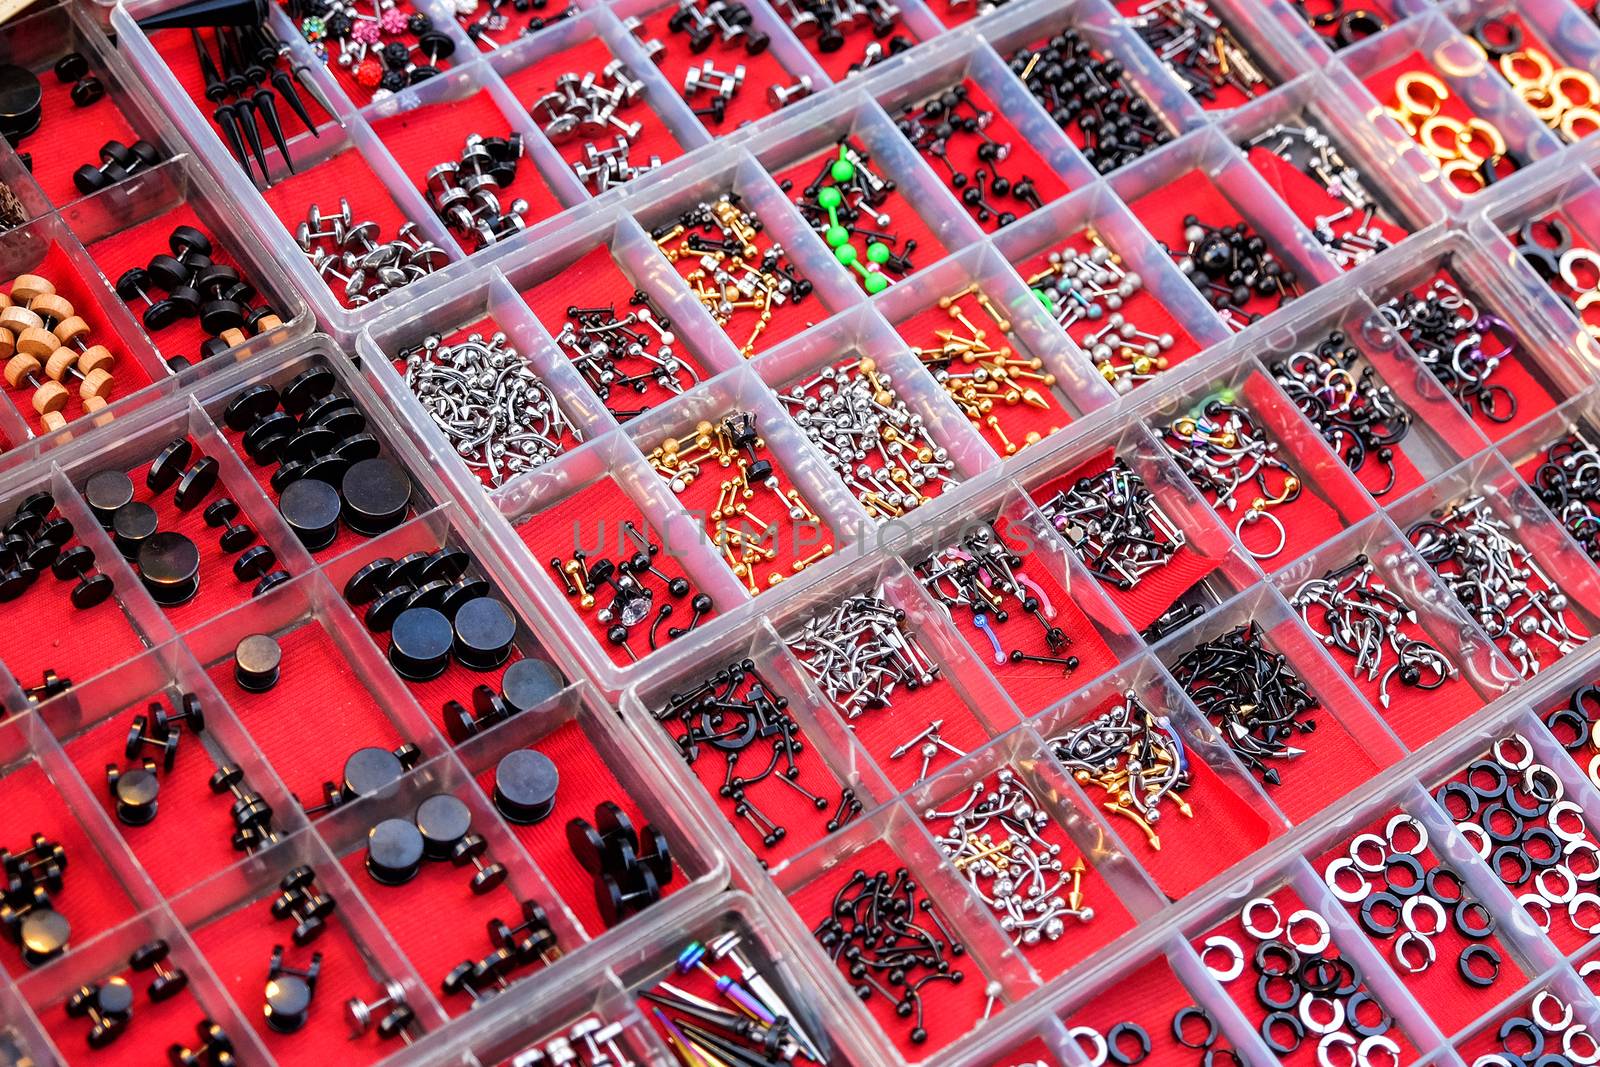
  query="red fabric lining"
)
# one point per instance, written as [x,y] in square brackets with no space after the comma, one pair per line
[1563,933]
[1516,371]
[1225,96]
[142,242]
[597,272]
[590,56]
[594,515]
[451,928]
[804,824]
[344,540]
[1243,988]
[906,223]
[155,1024]
[961,153]
[59,148]
[1163,210]
[1080,938]
[949,1010]
[316,675]
[882,730]
[1224,828]
[858,35]
[1016,421]
[1451,1001]
[1381,84]
[191,835]
[347,174]
[91,897]
[1143,308]
[1308,199]
[424,137]
[97,638]
[586,780]
[69,282]
[1158,590]
[219,590]
[749,101]
[177,51]
[784,320]
[791,541]
[1148,997]
[239,948]
[1036,686]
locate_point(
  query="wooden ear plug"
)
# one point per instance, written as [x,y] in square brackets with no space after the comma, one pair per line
[40,331]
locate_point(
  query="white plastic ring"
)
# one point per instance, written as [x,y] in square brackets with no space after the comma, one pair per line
[1235,957]
[1580,901]
[1559,810]
[1361,841]
[1569,884]
[1338,1038]
[1400,822]
[1477,838]
[1408,915]
[1541,1002]
[1326,1026]
[1589,1054]
[1261,933]
[1317,922]
[1508,762]
[1404,962]
[1096,1040]
[1349,896]
[1556,789]
[1589,872]
[1537,908]
[1378,1041]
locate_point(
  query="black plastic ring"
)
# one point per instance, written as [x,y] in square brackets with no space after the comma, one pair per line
[1194,1011]
[1472,952]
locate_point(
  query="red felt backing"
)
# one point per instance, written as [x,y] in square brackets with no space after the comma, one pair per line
[594,516]
[1015,423]
[949,1009]
[1243,988]
[1221,829]
[1079,938]
[70,284]
[1450,1001]
[1211,98]
[1310,200]
[91,897]
[424,137]
[905,223]
[239,945]
[1518,370]
[1159,589]
[749,101]
[961,157]
[911,712]
[76,644]
[1148,998]
[314,674]
[1381,84]
[176,48]
[743,326]
[344,540]
[451,928]
[858,36]
[792,543]
[774,797]
[138,245]
[219,590]
[586,781]
[345,175]
[1563,932]
[191,836]
[58,151]
[591,56]
[1163,212]
[1036,686]
[155,1024]
[597,273]
[1143,308]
